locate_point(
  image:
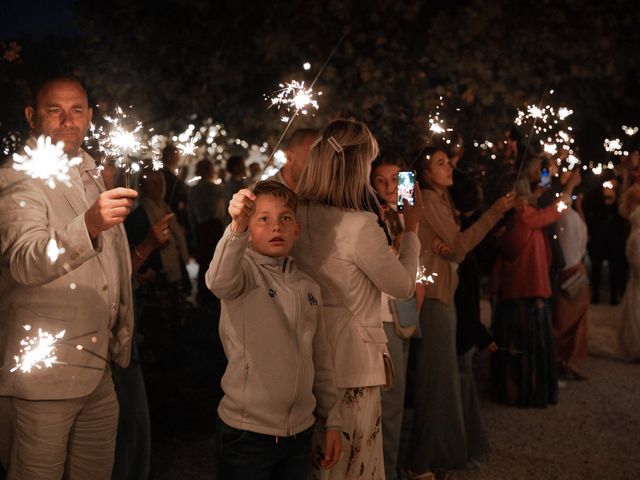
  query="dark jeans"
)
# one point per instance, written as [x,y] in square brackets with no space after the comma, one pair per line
[244,455]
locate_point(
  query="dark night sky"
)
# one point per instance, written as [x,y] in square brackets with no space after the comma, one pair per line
[37,17]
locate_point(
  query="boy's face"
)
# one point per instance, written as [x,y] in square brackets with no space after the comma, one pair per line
[273,227]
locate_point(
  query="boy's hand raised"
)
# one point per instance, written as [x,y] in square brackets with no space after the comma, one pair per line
[241,208]
[332,449]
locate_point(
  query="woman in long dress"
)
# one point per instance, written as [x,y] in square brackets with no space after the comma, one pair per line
[446,432]
[617,334]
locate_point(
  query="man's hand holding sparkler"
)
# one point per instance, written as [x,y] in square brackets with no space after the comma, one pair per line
[110,209]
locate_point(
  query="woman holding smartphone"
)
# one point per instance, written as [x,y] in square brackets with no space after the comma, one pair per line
[447,432]
[385,181]
[343,247]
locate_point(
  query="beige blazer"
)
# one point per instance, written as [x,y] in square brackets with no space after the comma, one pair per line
[347,253]
[69,294]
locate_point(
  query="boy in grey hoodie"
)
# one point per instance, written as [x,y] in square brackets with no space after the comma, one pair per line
[272,328]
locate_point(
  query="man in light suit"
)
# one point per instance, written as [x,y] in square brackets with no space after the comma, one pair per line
[62,420]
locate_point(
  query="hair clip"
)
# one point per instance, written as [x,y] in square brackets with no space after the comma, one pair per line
[334,143]
[316,142]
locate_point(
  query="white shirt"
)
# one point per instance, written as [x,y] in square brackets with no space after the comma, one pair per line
[572,235]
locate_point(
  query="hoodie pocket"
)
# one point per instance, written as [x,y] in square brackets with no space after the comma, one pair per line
[372,334]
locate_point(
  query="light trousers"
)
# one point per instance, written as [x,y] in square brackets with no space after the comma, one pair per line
[53,439]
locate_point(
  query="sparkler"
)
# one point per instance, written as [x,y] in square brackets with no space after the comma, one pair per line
[302,100]
[119,142]
[613,146]
[561,207]
[47,161]
[10,142]
[425,278]
[295,98]
[436,126]
[548,121]
[631,131]
[40,351]
[37,352]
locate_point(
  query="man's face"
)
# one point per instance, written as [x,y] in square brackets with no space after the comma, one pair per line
[273,227]
[61,112]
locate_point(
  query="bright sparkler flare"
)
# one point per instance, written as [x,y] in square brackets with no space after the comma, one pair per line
[613,146]
[37,352]
[188,148]
[630,130]
[294,97]
[424,278]
[47,161]
[608,185]
[119,142]
[561,206]
[564,112]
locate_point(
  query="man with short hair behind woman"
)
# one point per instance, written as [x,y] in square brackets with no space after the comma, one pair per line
[345,250]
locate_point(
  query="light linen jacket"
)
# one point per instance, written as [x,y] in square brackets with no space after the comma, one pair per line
[347,253]
[70,293]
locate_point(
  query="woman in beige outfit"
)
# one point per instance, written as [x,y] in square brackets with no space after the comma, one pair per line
[345,249]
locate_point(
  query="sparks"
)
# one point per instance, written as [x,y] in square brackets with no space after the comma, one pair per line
[118,142]
[37,352]
[630,130]
[564,112]
[425,278]
[613,146]
[47,162]
[188,148]
[561,206]
[294,97]
[608,185]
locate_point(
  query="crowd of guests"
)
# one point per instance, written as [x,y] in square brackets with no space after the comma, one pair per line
[323,286]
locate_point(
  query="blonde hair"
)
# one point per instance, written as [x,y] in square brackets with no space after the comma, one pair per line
[337,172]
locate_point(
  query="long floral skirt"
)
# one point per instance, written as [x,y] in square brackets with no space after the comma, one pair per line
[523,370]
[362,455]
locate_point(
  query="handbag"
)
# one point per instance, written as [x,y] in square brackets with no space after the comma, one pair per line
[573,285]
[406,317]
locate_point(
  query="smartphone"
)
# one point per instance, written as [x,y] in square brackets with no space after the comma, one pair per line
[545,179]
[406,188]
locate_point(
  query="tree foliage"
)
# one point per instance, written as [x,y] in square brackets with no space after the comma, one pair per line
[172,59]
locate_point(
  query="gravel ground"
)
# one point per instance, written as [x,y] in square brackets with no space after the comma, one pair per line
[593,432]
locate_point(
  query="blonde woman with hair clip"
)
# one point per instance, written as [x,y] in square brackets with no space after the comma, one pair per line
[344,248]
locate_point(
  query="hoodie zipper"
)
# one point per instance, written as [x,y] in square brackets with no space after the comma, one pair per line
[300,364]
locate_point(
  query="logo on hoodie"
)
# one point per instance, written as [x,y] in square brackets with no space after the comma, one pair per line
[272,293]
[312,299]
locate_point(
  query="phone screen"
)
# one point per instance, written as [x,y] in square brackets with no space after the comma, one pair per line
[406,188]
[545,179]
